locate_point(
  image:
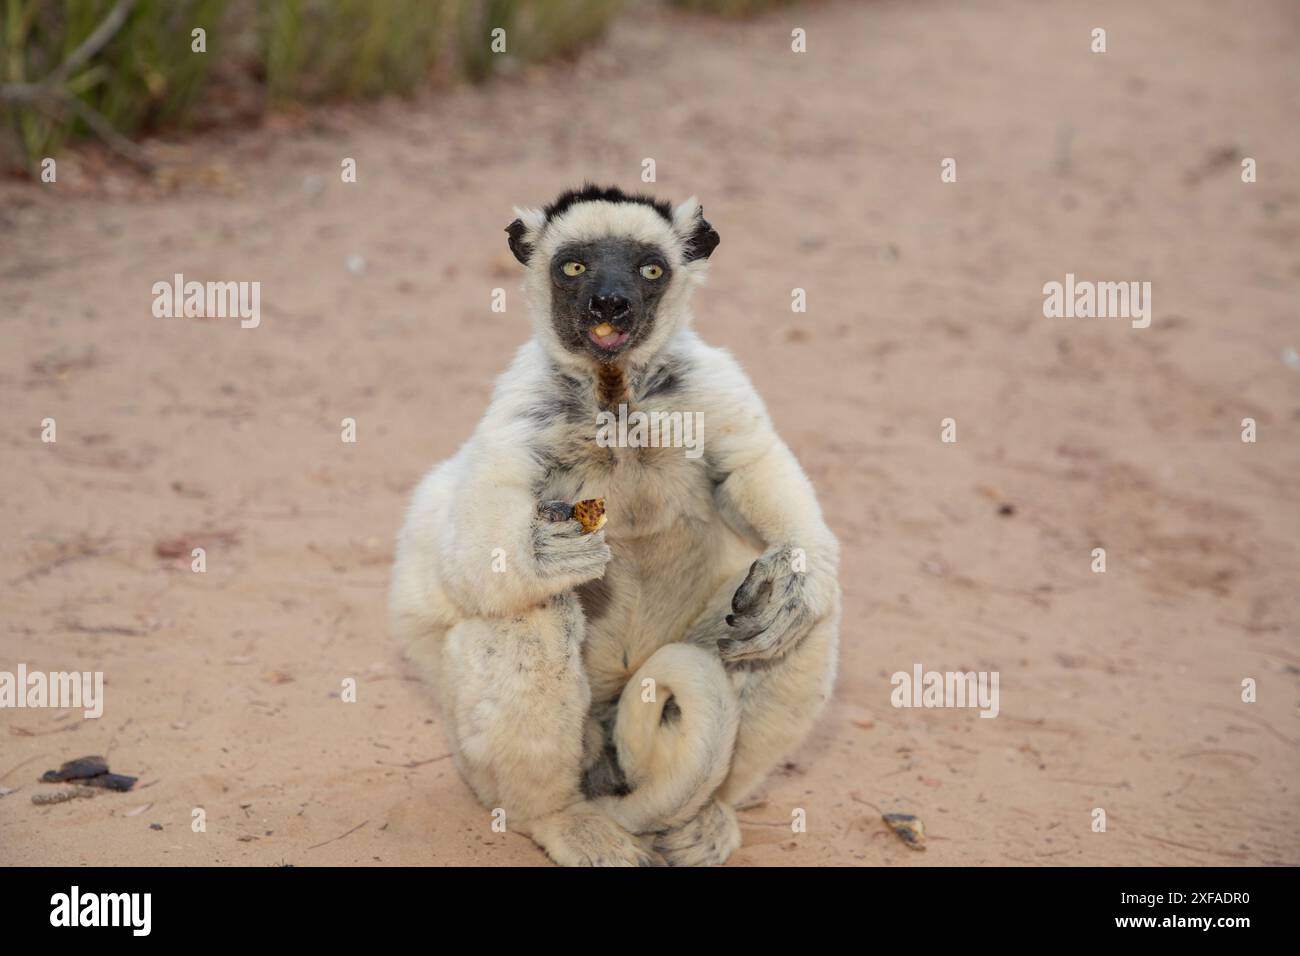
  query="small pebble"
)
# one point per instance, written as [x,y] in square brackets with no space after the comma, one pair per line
[62,796]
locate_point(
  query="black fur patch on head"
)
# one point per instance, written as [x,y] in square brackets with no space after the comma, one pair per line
[522,250]
[593,193]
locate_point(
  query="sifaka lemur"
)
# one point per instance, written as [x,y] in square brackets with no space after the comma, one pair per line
[616,693]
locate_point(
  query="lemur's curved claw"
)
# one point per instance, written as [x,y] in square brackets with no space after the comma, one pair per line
[769,610]
[555,511]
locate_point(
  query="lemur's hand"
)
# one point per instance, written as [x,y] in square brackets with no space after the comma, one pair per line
[563,547]
[771,609]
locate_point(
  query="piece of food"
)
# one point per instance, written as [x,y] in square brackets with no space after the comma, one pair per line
[47,797]
[603,330]
[909,829]
[91,772]
[78,769]
[110,781]
[591,513]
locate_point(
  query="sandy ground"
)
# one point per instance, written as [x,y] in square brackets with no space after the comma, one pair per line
[1119,690]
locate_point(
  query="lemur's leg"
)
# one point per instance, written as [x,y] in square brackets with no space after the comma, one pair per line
[674,739]
[779,702]
[780,699]
[517,700]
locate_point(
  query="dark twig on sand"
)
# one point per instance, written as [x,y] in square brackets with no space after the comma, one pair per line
[341,835]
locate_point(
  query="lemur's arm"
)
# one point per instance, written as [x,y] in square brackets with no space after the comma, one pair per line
[764,493]
[496,555]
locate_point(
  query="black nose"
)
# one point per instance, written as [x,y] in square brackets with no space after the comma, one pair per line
[609,307]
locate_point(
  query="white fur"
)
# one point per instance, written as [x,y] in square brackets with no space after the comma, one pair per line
[525,675]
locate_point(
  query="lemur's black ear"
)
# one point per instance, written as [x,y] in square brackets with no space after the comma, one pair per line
[703,240]
[522,250]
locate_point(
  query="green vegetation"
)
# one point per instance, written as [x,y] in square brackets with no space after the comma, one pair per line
[144,75]
[318,49]
[119,68]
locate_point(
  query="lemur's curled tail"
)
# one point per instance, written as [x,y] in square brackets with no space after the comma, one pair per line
[674,738]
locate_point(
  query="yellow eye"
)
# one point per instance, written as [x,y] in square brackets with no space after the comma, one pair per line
[574,268]
[652,271]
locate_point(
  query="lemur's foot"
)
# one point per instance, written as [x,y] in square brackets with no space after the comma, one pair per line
[584,837]
[564,548]
[770,611]
[706,840]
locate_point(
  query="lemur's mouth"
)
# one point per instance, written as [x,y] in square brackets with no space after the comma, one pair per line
[605,336]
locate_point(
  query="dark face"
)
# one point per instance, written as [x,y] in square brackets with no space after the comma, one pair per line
[604,294]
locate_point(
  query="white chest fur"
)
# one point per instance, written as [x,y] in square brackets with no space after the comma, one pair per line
[671,551]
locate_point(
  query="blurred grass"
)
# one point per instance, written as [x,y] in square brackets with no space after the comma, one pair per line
[147,77]
[320,49]
[534,31]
